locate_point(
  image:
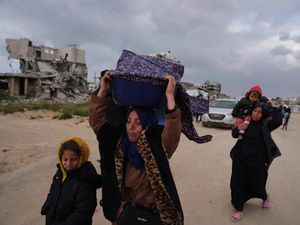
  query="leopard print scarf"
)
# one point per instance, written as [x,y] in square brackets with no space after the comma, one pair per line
[169,214]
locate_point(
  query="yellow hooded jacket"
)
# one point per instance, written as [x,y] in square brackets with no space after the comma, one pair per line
[85,152]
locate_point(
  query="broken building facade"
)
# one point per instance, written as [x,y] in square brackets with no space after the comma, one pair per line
[46,72]
[211,86]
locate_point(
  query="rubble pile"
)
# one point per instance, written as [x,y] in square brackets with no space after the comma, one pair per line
[45,72]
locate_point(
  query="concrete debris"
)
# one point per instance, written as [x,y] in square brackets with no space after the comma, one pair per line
[46,73]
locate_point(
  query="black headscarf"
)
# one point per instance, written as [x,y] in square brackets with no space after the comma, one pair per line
[266,109]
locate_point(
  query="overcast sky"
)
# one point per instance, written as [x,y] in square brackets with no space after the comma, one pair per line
[239,43]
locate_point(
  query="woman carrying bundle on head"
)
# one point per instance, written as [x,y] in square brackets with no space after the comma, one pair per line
[137,180]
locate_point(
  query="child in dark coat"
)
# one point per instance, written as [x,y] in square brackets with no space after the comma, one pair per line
[243,109]
[72,196]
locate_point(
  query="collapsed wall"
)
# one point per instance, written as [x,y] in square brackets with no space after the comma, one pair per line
[46,72]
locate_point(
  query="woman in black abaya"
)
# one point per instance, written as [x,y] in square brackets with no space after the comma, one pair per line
[252,156]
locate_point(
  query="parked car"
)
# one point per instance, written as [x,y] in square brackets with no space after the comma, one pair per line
[220,113]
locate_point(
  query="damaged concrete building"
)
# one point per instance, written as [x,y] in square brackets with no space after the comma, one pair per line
[46,72]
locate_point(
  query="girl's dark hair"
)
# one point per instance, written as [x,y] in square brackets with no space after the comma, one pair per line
[72,146]
[103,72]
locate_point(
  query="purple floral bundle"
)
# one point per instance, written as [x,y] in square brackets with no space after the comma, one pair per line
[198,105]
[143,65]
[137,72]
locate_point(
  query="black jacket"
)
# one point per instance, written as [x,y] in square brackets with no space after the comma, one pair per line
[73,201]
[108,137]
[244,107]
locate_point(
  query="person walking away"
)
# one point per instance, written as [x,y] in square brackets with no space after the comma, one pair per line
[286,117]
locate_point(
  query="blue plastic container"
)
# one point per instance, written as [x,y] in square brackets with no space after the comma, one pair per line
[132,93]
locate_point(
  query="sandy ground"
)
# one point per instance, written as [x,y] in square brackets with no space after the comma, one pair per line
[28,144]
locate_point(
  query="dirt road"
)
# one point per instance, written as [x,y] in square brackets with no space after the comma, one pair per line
[201,172]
